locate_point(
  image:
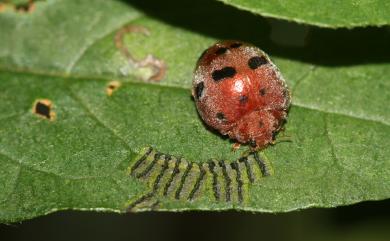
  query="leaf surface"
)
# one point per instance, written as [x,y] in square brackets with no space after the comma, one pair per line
[338,125]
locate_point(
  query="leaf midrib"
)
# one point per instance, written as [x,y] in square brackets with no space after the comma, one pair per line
[107,79]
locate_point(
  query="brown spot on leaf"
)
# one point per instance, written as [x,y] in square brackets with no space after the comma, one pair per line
[262,91]
[112,86]
[26,7]
[157,66]
[43,108]
[243,99]
[2,7]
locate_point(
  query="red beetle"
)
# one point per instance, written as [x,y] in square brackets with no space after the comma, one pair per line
[241,93]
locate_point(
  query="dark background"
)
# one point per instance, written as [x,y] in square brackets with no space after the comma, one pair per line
[365,221]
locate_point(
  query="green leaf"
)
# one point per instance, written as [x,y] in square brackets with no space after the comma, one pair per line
[329,14]
[80,158]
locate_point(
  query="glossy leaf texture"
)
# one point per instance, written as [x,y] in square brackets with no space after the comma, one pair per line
[65,52]
[329,14]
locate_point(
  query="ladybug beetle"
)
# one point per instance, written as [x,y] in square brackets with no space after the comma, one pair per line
[241,93]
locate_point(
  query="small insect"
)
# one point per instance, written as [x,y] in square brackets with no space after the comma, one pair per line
[175,178]
[241,93]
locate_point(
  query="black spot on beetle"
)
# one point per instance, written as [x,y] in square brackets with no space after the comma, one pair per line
[221,51]
[261,124]
[220,116]
[243,99]
[262,91]
[235,45]
[199,90]
[257,61]
[223,73]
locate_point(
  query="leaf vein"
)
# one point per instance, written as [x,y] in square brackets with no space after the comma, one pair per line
[94,117]
[87,46]
[103,78]
[24,165]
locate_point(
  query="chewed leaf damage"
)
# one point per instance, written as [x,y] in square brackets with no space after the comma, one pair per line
[157,66]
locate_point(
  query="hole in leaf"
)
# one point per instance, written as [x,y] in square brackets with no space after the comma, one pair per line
[43,108]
